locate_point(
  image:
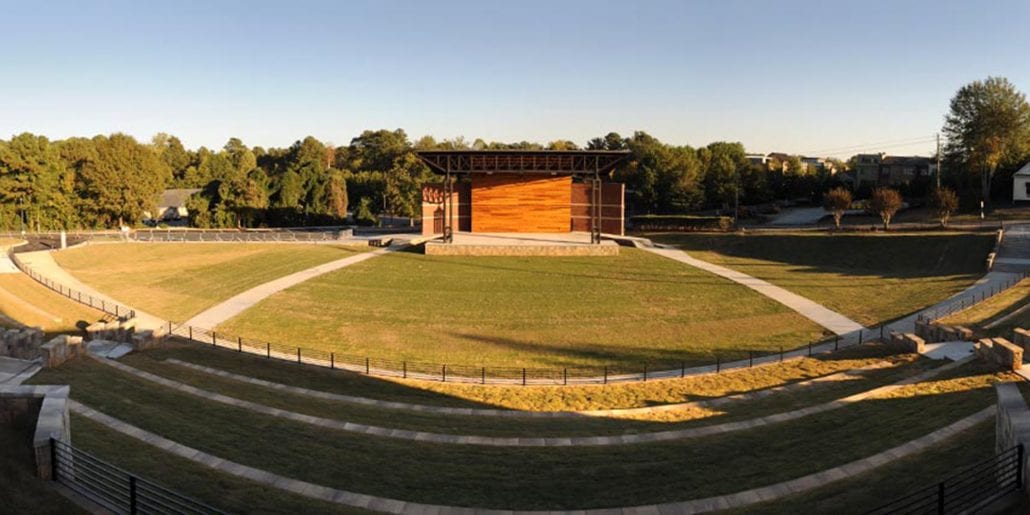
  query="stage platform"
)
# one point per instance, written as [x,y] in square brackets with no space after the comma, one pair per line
[522,244]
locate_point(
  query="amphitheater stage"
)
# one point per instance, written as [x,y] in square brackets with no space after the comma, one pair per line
[521,244]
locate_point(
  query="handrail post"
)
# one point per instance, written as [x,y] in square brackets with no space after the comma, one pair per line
[750,358]
[53,459]
[1019,466]
[332,361]
[132,495]
[239,344]
[367,368]
[268,349]
[214,339]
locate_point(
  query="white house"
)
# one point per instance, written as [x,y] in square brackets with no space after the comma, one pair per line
[172,205]
[1021,184]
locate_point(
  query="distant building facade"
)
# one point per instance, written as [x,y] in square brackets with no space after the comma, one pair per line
[883,170]
[1021,184]
[172,205]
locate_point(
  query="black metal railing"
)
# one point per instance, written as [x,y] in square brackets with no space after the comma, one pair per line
[965,491]
[971,300]
[114,488]
[728,359]
[101,304]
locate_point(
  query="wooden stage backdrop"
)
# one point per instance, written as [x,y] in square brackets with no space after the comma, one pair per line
[513,203]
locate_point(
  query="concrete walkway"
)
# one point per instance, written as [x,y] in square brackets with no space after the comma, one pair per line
[793,216]
[388,505]
[16,371]
[835,322]
[213,316]
[556,441]
[42,262]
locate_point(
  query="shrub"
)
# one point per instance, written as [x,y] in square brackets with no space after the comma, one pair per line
[884,202]
[944,202]
[837,201]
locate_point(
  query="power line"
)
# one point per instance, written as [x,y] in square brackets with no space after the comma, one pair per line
[882,144]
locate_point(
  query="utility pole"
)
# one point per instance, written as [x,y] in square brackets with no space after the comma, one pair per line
[938,160]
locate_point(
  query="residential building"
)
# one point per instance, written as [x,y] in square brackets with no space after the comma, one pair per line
[1021,183]
[883,170]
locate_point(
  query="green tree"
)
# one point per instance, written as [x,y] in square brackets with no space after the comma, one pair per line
[123,182]
[988,124]
[35,185]
[364,214]
[377,150]
[336,191]
[836,202]
[884,202]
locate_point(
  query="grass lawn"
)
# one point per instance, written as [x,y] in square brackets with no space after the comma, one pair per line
[214,488]
[533,312]
[507,427]
[178,280]
[26,302]
[996,308]
[868,277]
[20,490]
[531,398]
[880,486]
[520,478]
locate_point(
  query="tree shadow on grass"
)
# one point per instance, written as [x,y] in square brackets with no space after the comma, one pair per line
[886,256]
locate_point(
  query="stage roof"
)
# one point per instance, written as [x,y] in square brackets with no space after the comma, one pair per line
[552,162]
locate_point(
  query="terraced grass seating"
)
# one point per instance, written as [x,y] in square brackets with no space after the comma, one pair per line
[534,439]
[531,398]
[553,478]
[617,412]
[25,302]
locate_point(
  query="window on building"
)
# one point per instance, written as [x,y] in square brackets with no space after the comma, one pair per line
[1027,185]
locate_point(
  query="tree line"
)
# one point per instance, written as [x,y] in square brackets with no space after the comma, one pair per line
[106,181]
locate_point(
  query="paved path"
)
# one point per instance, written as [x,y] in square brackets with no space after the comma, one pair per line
[491,412]
[15,371]
[557,441]
[42,262]
[215,315]
[836,322]
[798,216]
[387,505]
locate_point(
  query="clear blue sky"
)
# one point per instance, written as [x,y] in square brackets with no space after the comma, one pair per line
[793,76]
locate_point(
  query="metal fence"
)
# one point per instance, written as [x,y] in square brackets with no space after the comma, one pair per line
[232,235]
[728,360]
[965,491]
[104,305]
[115,489]
[968,302]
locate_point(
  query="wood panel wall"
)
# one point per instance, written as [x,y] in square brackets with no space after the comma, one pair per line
[613,207]
[514,203]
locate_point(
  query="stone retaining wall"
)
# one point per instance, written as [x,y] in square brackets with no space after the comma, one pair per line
[1012,425]
[21,343]
[49,404]
[1001,352]
[60,349]
[606,248]
[908,341]
[932,332]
